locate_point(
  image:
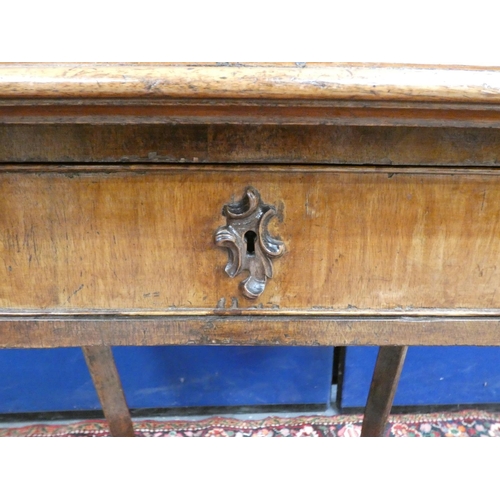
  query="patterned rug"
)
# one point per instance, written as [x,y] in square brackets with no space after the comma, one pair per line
[468,423]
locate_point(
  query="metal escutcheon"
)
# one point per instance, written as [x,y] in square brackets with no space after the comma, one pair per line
[250,247]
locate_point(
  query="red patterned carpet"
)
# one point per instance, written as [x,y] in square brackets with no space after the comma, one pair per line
[468,423]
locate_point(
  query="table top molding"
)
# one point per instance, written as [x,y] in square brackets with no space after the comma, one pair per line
[365,82]
[273,93]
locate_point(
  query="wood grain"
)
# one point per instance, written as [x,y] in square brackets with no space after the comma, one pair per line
[334,81]
[230,144]
[383,387]
[254,112]
[382,247]
[314,94]
[102,368]
[26,331]
[355,241]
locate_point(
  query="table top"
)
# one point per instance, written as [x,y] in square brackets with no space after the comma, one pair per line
[280,93]
[366,82]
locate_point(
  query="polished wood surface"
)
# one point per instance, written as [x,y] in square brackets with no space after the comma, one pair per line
[369,241]
[316,94]
[370,82]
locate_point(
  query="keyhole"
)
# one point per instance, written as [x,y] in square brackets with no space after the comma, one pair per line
[250,237]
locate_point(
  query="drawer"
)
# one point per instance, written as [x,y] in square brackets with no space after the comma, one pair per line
[357,240]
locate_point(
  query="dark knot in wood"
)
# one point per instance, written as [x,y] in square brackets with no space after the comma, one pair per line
[250,246]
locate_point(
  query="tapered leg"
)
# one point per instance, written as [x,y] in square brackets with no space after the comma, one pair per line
[106,380]
[385,380]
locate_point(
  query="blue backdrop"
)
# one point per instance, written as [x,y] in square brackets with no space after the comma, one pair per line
[44,380]
[430,376]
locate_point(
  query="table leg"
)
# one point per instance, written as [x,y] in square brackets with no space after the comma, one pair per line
[385,380]
[106,380]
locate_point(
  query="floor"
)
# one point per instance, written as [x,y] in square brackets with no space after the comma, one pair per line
[330,411]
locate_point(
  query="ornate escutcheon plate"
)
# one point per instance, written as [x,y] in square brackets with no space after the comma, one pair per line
[249,244]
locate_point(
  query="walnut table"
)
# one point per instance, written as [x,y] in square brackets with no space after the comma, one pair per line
[271,204]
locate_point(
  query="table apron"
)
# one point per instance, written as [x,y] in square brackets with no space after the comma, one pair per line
[25,332]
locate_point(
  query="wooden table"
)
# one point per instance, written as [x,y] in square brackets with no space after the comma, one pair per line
[257,204]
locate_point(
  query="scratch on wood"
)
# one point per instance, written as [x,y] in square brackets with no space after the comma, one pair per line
[310,212]
[75,292]
[150,85]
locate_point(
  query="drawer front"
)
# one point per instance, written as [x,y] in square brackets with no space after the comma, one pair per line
[144,240]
